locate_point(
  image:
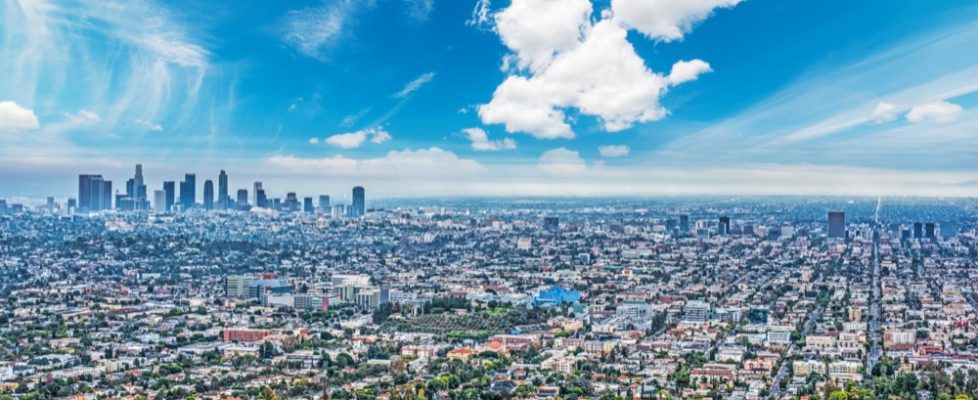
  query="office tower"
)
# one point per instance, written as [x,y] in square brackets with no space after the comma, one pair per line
[208,195]
[307,205]
[359,202]
[188,192]
[254,193]
[159,201]
[50,204]
[338,211]
[323,203]
[930,230]
[236,287]
[94,193]
[72,204]
[918,230]
[242,199]
[837,224]
[724,226]
[169,187]
[275,204]
[261,200]
[222,190]
[291,203]
[551,224]
[3,206]
[684,223]
[904,234]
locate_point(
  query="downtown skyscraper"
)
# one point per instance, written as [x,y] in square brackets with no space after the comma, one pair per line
[224,202]
[188,192]
[359,207]
[94,193]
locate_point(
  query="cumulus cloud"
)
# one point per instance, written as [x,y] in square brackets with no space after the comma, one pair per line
[480,140]
[561,61]
[314,140]
[939,112]
[665,20]
[561,161]
[424,163]
[685,71]
[613,151]
[884,112]
[355,139]
[15,117]
[414,85]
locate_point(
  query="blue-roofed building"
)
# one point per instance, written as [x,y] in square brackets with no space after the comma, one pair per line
[556,295]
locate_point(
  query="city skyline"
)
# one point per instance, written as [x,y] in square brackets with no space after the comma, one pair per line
[426,97]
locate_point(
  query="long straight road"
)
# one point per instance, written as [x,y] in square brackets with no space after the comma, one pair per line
[873,357]
[783,371]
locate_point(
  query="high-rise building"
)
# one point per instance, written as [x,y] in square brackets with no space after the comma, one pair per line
[359,202]
[837,224]
[159,201]
[169,187]
[94,193]
[323,203]
[930,230]
[338,211]
[72,204]
[50,204]
[254,194]
[188,192]
[918,230]
[551,224]
[261,200]
[208,195]
[291,203]
[222,191]
[236,286]
[684,223]
[3,206]
[724,226]
[242,199]
[307,205]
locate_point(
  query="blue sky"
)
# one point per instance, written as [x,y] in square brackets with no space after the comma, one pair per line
[498,97]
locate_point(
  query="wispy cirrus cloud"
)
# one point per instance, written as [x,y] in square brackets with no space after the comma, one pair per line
[312,31]
[414,85]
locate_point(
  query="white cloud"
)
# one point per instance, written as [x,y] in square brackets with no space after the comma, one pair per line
[420,163]
[480,14]
[613,151]
[355,139]
[419,10]
[564,61]
[314,140]
[155,127]
[414,85]
[939,112]
[537,29]
[311,30]
[665,20]
[884,112]
[15,117]
[561,161]
[84,117]
[480,140]
[685,71]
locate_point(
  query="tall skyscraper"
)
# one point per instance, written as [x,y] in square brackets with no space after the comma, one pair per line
[188,192]
[208,195]
[159,201]
[359,202]
[242,199]
[930,230]
[169,187]
[254,194]
[291,203]
[837,224]
[724,226]
[50,204]
[222,190]
[918,230]
[307,205]
[684,223]
[261,200]
[135,198]
[324,203]
[94,193]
